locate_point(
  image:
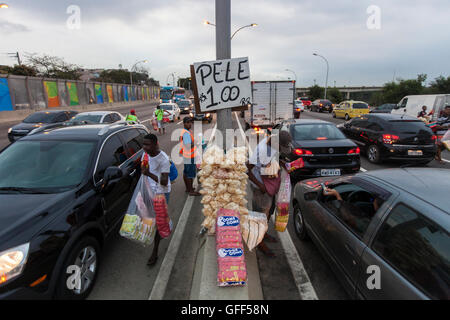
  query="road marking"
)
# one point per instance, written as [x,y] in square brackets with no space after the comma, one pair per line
[162,279]
[363,170]
[301,278]
[179,123]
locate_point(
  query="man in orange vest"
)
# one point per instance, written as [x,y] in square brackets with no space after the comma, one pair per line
[188,150]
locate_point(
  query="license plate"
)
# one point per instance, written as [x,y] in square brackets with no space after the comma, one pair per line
[330,172]
[415,153]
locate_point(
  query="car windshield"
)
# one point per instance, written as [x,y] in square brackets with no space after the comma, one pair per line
[406,126]
[87,117]
[44,166]
[166,107]
[317,132]
[40,117]
[184,103]
[360,106]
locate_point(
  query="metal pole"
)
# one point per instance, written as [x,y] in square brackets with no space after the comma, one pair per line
[223,51]
[326,82]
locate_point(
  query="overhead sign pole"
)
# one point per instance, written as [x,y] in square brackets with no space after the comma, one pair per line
[223,51]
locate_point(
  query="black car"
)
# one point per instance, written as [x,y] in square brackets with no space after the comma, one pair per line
[320,105]
[62,193]
[185,106]
[200,116]
[323,148]
[384,108]
[396,220]
[40,119]
[391,136]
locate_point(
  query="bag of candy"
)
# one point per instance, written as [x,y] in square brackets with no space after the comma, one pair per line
[283,201]
[294,165]
[163,221]
[139,223]
[253,228]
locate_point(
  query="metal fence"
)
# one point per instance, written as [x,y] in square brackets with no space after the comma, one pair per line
[18,93]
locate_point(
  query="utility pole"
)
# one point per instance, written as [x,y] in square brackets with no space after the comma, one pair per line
[17,56]
[223,51]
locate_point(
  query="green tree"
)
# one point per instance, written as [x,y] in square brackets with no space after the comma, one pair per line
[393,92]
[440,85]
[123,76]
[334,95]
[19,70]
[316,92]
[53,67]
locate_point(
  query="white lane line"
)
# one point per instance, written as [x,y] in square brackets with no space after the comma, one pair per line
[162,279]
[179,123]
[362,169]
[301,278]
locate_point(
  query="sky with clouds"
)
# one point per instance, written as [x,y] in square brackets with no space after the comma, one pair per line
[413,38]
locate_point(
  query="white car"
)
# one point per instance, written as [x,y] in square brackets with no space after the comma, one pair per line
[299,105]
[172,109]
[98,117]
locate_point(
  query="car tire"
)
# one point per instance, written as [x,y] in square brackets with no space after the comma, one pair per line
[299,223]
[334,115]
[347,117]
[87,245]
[373,154]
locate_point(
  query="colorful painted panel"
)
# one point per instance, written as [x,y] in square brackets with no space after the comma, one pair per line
[98,93]
[148,94]
[51,87]
[5,97]
[73,93]
[143,93]
[125,93]
[109,89]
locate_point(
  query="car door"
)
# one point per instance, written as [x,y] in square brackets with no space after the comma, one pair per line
[342,225]
[114,196]
[410,253]
[61,117]
[359,131]
[107,119]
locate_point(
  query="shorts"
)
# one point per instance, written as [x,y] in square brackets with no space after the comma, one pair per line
[262,202]
[160,124]
[190,170]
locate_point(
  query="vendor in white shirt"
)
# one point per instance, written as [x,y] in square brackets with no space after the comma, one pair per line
[157,173]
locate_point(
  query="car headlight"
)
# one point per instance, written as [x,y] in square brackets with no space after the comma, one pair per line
[208,115]
[12,262]
[9,130]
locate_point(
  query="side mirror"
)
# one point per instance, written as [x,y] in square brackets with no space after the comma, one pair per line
[311,196]
[347,125]
[111,173]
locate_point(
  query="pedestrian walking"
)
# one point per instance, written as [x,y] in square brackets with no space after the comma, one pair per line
[188,151]
[159,113]
[157,173]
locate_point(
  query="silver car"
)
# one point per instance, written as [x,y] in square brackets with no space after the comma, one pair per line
[385,233]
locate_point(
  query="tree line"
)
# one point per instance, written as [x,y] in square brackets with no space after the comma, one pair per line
[55,67]
[392,92]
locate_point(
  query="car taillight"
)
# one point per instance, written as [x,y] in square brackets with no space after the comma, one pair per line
[434,138]
[322,138]
[298,109]
[321,105]
[302,152]
[355,151]
[390,138]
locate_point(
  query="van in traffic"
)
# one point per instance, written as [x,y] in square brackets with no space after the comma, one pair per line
[412,105]
[350,109]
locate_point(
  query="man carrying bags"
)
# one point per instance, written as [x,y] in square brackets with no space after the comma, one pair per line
[188,151]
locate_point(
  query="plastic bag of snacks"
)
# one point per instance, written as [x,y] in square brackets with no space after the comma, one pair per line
[446,140]
[294,165]
[163,221]
[253,228]
[232,270]
[139,223]
[283,201]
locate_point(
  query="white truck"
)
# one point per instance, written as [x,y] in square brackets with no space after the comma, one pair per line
[412,105]
[273,101]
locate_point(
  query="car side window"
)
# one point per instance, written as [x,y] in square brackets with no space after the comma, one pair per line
[112,155]
[374,126]
[357,208]
[107,119]
[418,248]
[61,117]
[133,141]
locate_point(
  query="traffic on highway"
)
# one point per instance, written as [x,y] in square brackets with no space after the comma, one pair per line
[222,180]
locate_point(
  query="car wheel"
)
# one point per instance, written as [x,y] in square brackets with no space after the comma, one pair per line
[299,223]
[373,154]
[85,257]
[334,115]
[347,117]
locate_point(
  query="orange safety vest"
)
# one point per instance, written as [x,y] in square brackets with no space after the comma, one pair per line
[189,153]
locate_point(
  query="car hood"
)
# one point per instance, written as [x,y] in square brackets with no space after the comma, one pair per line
[27,126]
[324,143]
[26,213]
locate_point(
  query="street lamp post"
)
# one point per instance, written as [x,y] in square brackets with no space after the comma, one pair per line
[206,22]
[328,68]
[296,79]
[4,6]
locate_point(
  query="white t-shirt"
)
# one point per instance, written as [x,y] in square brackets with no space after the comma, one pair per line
[262,156]
[158,165]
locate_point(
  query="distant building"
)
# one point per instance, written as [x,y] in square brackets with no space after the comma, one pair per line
[90,74]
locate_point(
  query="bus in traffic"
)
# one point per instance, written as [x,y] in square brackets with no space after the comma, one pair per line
[179,94]
[167,94]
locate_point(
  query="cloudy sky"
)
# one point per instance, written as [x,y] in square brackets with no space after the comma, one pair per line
[413,37]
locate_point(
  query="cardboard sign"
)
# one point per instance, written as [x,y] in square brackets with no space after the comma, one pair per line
[222,84]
